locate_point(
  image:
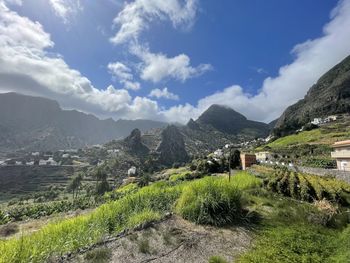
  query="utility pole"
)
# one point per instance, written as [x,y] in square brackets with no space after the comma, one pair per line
[229,161]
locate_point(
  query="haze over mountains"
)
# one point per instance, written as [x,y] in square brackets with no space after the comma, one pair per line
[33,123]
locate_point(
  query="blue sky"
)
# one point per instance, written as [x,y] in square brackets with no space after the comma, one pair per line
[169,60]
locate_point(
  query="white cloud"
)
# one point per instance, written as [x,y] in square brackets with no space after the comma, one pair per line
[163,93]
[136,16]
[26,67]
[157,67]
[65,8]
[123,74]
[313,58]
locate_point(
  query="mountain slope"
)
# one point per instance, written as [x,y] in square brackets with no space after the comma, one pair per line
[330,95]
[227,120]
[33,123]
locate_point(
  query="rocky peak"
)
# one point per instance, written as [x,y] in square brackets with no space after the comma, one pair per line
[134,143]
[172,146]
[193,125]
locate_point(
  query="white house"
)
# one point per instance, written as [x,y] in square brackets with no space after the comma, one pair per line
[342,155]
[132,171]
[317,121]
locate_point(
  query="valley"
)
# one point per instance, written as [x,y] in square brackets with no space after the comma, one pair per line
[192,152]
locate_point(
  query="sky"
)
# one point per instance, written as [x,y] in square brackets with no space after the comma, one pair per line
[169,60]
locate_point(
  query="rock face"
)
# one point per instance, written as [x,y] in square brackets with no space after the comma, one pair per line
[172,147]
[34,123]
[193,125]
[330,95]
[134,144]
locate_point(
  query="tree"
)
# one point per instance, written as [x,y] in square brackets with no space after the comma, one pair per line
[236,159]
[102,185]
[75,184]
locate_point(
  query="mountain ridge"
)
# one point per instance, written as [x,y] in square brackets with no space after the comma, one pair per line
[330,95]
[36,123]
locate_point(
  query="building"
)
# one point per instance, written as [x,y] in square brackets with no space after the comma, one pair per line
[342,155]
[317,121]
[247,160]
[263,156]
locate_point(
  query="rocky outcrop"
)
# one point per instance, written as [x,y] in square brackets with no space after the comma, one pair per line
[172,147]
[134,144]
[330,95]
[193,125]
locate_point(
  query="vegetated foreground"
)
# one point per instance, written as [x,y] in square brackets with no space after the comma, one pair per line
[283,228]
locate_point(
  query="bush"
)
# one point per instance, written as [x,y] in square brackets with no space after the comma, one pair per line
[210,201]
[217,259]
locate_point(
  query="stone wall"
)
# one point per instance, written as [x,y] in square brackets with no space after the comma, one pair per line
[341,175]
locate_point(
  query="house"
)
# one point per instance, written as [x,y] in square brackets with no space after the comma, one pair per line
[317,121]
[331,118]
[263,156]
[132,171]
[247,160]
[342,155]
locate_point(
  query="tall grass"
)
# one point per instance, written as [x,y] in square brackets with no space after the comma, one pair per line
[135,207]
[212,201]
[149,203]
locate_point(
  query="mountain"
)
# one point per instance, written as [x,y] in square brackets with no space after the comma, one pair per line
[34,123]
[330,95]
[134,144]
[172,146]
[217,126]
[229,121]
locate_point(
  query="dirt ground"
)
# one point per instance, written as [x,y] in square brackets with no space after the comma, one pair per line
[173,240]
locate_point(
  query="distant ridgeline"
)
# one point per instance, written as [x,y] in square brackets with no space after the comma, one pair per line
[39,124]
[217,126]
[330,95]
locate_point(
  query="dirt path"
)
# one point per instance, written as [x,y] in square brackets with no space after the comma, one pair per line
[173,240]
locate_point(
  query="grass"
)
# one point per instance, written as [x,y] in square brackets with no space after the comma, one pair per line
[99,255]
[316,136]
[217,259]
[149,203]
[144,246]
[287,231]
[291,231]
[214,201]
[293,243]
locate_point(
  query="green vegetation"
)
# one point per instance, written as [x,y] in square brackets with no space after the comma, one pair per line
[217,259]
[308,187]
[22,212]
[210,201]
[144,246]
[68,235]
[99,255]
[287,230]
[325,135]
[215,201]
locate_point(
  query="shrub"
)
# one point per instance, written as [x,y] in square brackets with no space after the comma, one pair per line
[99,255]
[217,259]
[8,230]
[210,201]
